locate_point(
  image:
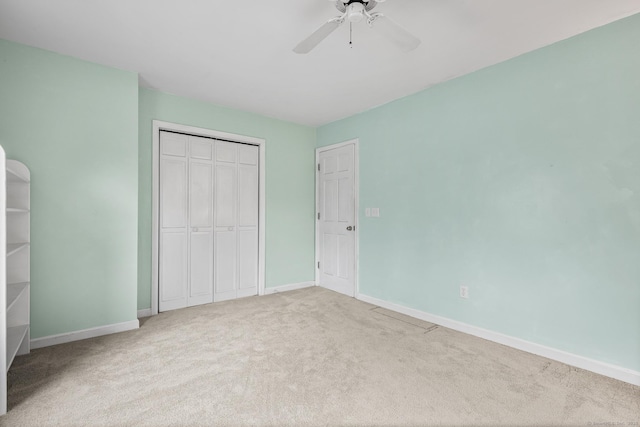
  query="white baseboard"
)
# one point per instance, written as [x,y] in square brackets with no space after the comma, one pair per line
[602,368]
[145,312]
[84,334]
[290,287]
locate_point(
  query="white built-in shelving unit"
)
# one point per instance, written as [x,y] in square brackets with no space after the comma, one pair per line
[15,277]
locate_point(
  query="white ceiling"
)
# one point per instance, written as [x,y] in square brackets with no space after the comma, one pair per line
[239,53]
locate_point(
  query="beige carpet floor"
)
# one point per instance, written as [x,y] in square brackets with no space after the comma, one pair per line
[306,357]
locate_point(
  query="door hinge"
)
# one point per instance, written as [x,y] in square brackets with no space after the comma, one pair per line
[318,215]
[318,264]
[318,166]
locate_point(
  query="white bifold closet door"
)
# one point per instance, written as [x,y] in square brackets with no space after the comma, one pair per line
[208,221]
[236,221]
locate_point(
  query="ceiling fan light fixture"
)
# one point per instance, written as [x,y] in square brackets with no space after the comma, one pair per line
[355,12]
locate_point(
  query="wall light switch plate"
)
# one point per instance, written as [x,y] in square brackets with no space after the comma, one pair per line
[367,211]
[375,211]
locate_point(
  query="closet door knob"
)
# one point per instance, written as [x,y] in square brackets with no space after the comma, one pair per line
[230,228]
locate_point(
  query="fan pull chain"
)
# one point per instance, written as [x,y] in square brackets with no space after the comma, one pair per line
[351,34]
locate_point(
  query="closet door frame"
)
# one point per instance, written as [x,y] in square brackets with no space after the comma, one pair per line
[159,126]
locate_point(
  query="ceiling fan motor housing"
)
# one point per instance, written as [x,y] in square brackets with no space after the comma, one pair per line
[355,11]
[342,6]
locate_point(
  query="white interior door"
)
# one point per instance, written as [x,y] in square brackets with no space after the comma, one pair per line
[336,222]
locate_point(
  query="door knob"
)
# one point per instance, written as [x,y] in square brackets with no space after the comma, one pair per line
[349,228]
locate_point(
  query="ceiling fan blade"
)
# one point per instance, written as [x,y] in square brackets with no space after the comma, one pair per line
[306,45]
[397,35]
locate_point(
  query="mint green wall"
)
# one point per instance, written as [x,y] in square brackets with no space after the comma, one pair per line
[290,178]
[74,124]
[521,181]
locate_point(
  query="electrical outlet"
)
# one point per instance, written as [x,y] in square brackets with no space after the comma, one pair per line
[367,211]
[464,292]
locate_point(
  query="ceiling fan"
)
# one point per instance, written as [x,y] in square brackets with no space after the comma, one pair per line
[355,11]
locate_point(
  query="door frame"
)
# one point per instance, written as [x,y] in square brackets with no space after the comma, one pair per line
[158,126]
[356,196]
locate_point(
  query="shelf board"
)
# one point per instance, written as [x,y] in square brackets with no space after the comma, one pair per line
[12,248]
[14,175]
[17,210]
[14,290]
[15,335]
